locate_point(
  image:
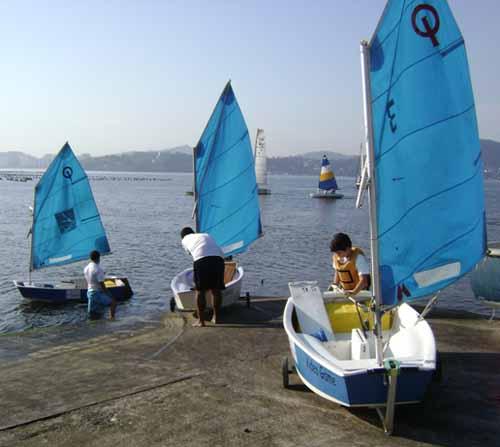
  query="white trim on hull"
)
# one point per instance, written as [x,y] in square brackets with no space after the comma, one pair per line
[185,297]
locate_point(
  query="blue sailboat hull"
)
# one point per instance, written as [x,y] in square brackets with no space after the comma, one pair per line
[67,292]
[366,389]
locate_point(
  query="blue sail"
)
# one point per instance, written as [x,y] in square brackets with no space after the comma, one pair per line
[227,203]
[66,223]
[327,180]
[428,166]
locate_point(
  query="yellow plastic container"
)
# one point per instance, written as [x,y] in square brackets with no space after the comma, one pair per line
[110,283]
[344,317]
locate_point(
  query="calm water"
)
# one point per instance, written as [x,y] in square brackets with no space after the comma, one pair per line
[143,217]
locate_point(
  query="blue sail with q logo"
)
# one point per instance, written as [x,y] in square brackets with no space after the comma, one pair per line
[428,167]
[66,222]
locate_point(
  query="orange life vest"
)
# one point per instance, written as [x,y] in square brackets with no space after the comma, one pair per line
[347,272]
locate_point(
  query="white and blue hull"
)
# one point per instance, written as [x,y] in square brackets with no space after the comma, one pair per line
[71,290]
[362,383]
[367,388]
[185,298]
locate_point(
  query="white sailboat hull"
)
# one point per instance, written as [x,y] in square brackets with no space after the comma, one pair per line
[329,369]
[185,298]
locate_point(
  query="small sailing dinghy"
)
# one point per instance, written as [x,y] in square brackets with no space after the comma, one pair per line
[261,163]
[427,217]
[327,187]
[485,279]
[66,227]
[226,199]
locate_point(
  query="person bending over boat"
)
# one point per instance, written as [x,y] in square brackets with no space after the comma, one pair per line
[208,268]
[352,271]
[98,297]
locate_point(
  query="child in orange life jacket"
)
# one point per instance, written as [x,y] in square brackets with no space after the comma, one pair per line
[352,272]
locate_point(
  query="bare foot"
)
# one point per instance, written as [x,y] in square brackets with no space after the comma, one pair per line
[199,324]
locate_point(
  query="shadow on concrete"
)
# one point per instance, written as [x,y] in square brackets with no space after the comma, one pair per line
[462,410]
[299,387]
[260,313]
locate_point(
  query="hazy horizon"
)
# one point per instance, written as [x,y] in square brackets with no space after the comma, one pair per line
[125,75]
[173,149]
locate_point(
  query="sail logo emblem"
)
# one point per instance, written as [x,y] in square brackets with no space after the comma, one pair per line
[428,31]
[67,172]
[66,220]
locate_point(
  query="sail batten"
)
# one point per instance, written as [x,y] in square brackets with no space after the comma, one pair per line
[228,182]
[427,164]
[227,204]
[66,222]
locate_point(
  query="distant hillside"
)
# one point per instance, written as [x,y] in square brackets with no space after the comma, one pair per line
[179,159]
[318,155]
[310,164]
[20,160]
[348,165]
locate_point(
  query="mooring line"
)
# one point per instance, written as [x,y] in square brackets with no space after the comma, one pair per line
[171,342]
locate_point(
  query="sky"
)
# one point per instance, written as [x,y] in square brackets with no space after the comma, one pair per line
[113,76]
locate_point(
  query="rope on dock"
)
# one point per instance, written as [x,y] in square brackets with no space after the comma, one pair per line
[171,342]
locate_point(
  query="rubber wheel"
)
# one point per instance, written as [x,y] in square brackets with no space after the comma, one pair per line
[172,304]
[285,372]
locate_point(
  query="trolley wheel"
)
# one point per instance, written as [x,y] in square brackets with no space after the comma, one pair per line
[285,372]
[172,304]
[438,372]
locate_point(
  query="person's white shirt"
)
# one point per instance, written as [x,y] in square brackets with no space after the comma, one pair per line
[361,264]
[201,245]
[94,275]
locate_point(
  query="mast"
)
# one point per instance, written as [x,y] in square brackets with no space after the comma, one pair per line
[361,161]
[372,199]
[195,195]
[30,267]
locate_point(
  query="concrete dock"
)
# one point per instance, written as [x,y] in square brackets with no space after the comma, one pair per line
[162,382]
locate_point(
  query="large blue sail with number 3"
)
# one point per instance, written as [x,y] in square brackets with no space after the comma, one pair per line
[428,166]
[66,222]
